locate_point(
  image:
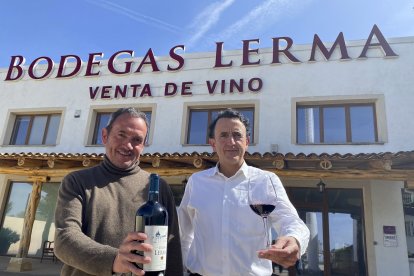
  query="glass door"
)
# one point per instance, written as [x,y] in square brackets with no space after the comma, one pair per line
[335,220]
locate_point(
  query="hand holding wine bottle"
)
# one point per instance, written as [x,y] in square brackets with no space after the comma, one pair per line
[152,219]
[126,260]
[262,199]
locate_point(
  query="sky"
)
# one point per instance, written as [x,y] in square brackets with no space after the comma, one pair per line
[54,28]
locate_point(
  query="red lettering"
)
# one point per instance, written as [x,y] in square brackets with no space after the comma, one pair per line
[276,51]
[91,63]
[35,63]
[151,62]
[105,92]
[259,84]
[167,91]
[239,86]
[93,92]
[247,50]
[111,65]
[62,64]
[15,64]
[210,87]
[176,57]
[381,43]
[134,89]
[219,50]
[146,91]
[120,91]
[186,86]
[340,40]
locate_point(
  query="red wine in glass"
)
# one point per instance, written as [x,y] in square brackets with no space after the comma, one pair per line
[262,210]
[262,199]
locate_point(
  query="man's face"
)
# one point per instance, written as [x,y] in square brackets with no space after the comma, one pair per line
[125,142]
[230,142]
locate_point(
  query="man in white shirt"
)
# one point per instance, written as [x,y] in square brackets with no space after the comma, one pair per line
[220,234]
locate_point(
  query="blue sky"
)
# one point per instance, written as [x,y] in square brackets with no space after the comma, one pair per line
[54,28]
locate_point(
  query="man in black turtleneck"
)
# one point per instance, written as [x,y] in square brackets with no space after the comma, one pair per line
[95,212]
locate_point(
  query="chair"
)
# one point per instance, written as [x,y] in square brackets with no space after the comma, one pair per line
[48,251]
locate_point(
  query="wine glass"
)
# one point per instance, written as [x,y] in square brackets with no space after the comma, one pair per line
[262,199]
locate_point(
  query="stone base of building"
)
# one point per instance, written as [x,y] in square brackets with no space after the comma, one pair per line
[19,264]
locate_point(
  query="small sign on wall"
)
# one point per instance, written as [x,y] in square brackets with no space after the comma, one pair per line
[390,236]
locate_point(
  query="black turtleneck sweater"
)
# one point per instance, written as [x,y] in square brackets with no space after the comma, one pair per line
[96,209]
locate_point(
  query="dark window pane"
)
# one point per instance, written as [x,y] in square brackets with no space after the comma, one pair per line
[334,125]
[20,130]
[197,130]
[362,124]
[308,130]
[305,196]
[52,129]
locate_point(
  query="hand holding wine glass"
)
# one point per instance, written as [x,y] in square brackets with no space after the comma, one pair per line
[262,199]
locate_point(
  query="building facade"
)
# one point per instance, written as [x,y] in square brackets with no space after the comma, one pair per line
[333,120]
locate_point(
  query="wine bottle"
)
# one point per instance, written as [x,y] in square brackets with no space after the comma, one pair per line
[152,219]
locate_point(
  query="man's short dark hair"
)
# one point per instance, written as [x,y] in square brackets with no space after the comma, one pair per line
[229,113]
[133,112]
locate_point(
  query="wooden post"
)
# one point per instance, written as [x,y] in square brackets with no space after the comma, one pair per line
[20,263]
[29,219]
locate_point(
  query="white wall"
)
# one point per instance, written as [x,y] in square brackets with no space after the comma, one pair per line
[387,210]
[16,224]
[376,75]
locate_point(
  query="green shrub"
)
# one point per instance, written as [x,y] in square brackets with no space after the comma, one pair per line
[7,237]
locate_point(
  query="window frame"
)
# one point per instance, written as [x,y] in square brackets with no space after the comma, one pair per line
[377,102]
[32,116]
[215,108]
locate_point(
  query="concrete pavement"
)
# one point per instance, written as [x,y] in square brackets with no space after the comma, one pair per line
[45,268]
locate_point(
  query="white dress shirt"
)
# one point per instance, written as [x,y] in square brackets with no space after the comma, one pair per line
[220,234]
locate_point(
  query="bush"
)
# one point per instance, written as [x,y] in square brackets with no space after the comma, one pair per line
[7,237]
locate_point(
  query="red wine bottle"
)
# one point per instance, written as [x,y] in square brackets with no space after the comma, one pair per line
[262,210]
[152,219]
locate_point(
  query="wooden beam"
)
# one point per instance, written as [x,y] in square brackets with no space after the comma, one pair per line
[38,171]
[345,174]
[168,169]
[29,219]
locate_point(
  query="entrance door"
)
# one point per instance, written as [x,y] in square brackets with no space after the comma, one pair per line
[335,221]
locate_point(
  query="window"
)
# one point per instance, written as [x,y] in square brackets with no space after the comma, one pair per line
[102,119]
[16,207]
[35,129]
[408,207]
[200,119]
[336,124]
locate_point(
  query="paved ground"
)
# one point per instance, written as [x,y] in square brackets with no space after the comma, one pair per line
[49,268]
[45,268]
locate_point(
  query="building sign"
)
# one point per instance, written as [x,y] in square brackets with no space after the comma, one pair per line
[172,89]
[390,236]
[117,66]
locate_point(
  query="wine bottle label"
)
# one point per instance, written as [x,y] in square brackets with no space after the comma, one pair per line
[157,237]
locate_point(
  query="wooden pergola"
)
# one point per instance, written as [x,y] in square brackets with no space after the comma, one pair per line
[41,167]
[386,166]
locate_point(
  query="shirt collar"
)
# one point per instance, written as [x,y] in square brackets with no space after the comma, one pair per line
[244,169]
